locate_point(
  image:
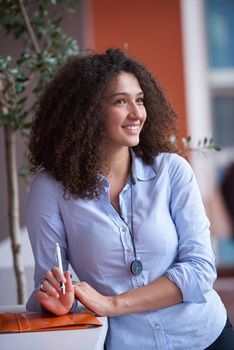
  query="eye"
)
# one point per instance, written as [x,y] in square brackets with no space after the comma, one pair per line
[120,101]
[140,100]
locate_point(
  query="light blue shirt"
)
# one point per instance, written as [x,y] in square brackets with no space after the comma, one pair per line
[172,238]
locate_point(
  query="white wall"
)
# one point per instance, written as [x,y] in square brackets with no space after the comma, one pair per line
[7,277]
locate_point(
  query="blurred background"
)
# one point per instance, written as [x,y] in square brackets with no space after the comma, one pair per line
[188,45]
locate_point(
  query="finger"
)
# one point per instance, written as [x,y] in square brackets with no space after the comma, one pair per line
[52,278]
[69,286]
[60,278]
[84,286]
[41,296]
[81,291]
[55,277]
[49,289]
[58,275]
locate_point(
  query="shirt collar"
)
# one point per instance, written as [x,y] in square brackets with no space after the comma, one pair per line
[140,170]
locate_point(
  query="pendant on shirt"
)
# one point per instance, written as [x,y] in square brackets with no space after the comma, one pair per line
[136,267]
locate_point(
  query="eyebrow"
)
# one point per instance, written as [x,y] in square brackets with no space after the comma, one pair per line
[124,94]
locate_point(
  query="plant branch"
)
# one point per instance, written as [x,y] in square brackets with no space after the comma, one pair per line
[13,212]
[29,28]
[4,107]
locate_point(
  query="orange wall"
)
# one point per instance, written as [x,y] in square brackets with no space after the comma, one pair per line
[152,31]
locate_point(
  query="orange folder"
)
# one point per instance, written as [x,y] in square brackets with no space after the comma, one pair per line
[11,322]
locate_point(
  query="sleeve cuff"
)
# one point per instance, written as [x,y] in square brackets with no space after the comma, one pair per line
[191,292]
[74,307]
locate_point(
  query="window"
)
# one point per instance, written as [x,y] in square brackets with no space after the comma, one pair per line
[219,25]
[220,44]
[220,31]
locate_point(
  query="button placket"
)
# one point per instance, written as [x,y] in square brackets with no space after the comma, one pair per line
[157,327]
[130,250]
[128,241]
[126,244]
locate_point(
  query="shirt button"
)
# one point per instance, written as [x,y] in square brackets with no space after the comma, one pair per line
[157,327]
[124,229]
[130,250]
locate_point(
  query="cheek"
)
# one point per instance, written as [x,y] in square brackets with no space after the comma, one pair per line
[114,120]
[144,116]
[112,125]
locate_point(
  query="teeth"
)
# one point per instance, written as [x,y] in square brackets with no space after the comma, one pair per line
[132,127]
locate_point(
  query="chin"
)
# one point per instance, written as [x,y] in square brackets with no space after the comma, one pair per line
[135,141]
[133,144]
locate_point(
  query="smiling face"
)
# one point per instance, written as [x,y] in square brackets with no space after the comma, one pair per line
[125,112]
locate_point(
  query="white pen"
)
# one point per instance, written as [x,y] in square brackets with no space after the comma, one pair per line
[60,265]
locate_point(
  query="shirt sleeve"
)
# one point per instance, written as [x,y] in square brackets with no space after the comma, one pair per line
[194,271]
[45,228]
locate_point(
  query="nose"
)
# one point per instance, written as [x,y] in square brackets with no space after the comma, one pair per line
[135,111]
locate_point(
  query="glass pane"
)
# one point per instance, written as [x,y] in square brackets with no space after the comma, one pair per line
[226,252]
[220,30]
[223,120]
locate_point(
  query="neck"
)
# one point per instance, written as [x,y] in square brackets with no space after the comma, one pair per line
[117,164]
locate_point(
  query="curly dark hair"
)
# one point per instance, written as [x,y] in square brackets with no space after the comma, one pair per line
[68,127]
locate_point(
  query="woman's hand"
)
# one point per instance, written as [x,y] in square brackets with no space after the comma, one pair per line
[50,295]
[100,304]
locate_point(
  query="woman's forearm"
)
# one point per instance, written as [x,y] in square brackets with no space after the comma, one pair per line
[158,294]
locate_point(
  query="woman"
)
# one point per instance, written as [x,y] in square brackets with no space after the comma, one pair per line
[125,210]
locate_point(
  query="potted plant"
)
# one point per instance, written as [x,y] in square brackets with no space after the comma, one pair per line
[37,25]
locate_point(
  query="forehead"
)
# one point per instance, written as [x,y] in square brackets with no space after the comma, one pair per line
[124,82]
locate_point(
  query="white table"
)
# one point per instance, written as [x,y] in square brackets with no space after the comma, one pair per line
[79,339]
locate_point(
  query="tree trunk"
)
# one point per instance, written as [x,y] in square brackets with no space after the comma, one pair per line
[13,212]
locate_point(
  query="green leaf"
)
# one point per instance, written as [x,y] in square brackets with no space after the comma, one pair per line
[22,101]
[23,172]
[14,71]
[5,63]
[22,115]
[23,58]
[19,88]
[21,79]
[27,125]
[211,141]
